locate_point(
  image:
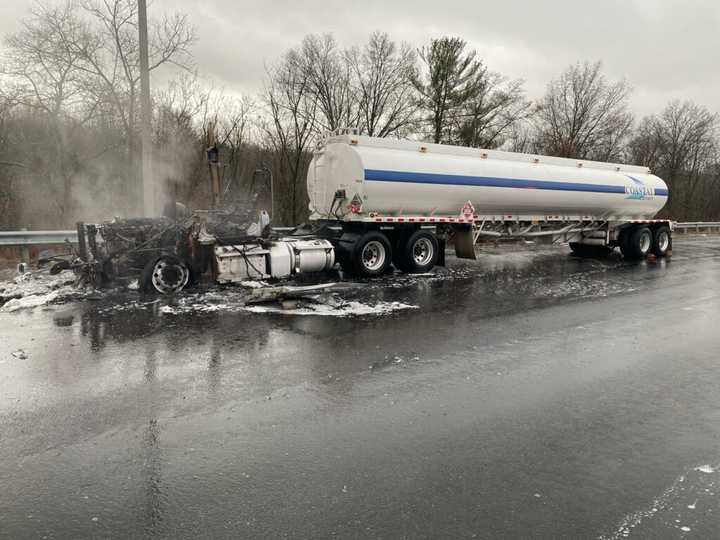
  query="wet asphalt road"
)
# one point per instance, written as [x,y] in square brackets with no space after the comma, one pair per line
[531,395]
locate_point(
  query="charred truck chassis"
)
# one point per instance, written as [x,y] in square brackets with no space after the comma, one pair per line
[166,255]
[157,251]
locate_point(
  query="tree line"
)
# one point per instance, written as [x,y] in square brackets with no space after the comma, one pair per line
[69,116]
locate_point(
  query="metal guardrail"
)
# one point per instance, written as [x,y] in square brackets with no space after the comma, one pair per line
[41,238]
[697,226]
[36,238]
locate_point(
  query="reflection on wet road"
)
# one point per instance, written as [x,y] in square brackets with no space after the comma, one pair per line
[527,394]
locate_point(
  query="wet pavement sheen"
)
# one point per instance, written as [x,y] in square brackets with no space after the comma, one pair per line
[529,394]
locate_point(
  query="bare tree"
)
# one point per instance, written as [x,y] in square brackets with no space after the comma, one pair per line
[186,109]
[522,137]
[290,130]
[489,117]
[44,71]
[328,79]
[680,144]
[382,87]
[115,62]
[45,78]
[178,154]
[234,126]
[447,79]
[9,164]
[112,67]
[584,116]
[72,70]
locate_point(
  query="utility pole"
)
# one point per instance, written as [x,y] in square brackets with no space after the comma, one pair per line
[213,157]
[148,184]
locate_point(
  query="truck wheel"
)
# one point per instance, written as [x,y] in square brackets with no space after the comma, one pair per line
[371,254]
[662,241]
[418,253]
[165,275]
[639,243]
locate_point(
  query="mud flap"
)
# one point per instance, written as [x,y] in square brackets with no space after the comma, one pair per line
[464,245]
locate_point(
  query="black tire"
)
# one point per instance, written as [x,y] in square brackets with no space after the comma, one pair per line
[418,252]
[623,238]
[639,243]
[398,244]
[344,248]
[371,254]
[164,275]
[662,241]
[579,250]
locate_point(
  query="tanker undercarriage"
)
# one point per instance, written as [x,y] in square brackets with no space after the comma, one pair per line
[167,255]
[588,237]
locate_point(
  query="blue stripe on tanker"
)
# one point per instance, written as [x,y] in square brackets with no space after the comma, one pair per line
[493,181]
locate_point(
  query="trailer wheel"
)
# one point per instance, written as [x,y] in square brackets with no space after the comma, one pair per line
[662,241]
[418,253]
[372,254]
[165,275]
[623,238]
[397,249]
[638,244]
[344,249]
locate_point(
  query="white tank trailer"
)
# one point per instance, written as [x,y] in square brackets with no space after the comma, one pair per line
[400,202]
[390,178]
[380,202]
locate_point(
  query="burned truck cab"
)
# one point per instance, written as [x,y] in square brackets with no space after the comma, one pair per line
[168,254]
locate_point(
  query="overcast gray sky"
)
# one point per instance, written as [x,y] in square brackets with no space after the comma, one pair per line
[665,48]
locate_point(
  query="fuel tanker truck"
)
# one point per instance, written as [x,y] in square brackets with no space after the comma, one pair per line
[400,202]
[377,202]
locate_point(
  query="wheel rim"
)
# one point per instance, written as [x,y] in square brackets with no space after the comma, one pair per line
[422,251]
[373,256]
[169,277]
[645,242]
[663,241]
